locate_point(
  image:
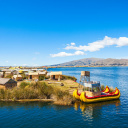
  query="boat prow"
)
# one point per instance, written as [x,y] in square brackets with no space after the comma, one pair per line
[106,90]
[76,94]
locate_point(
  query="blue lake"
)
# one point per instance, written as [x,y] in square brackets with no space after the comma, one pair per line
[47,115]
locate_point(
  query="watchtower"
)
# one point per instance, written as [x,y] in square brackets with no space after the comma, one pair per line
[85,77]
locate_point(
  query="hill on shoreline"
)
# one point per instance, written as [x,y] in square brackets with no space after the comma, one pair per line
[96,62]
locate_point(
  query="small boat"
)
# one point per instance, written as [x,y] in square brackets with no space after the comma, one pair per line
[92,90]
[93,93]
[76,94]
[103,97]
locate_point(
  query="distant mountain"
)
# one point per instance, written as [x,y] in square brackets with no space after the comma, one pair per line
[96,62]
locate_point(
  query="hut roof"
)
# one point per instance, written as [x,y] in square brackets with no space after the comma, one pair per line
[34,69]
[56,73]
[42,73]
[15,76]
[33,73]
[8,72]
[25,70]
[41,69]
[4,80]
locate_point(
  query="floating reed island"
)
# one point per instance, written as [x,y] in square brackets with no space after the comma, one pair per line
[39,85]
[49,91]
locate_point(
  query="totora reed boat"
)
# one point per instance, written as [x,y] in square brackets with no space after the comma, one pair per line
[90,95]
[92,90]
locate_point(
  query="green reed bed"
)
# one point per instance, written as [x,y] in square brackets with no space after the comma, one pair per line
[38,90]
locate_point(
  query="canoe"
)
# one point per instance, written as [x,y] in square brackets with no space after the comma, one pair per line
[103,97]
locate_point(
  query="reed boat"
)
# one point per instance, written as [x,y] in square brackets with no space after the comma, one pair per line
[92,91]
[76,94]
[90,96]
[103,97]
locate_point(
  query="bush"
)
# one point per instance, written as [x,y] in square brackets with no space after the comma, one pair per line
[41,78]
[60,94]
[2,93]
[64,77]
[45,90]
[24,84]
[24,76]
[26,93]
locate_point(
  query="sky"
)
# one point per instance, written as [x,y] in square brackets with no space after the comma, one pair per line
[46,32]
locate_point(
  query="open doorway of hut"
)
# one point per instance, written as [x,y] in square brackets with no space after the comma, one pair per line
[30,76]
[54,77]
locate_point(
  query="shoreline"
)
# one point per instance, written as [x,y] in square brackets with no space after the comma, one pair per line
[83,66]
[39,100]
[40,67]
[28,100]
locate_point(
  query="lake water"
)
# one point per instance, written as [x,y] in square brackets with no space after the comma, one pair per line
[47,115]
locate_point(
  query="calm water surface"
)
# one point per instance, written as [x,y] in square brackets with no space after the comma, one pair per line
[46,115]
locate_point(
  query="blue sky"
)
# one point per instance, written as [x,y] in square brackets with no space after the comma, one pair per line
[48,32]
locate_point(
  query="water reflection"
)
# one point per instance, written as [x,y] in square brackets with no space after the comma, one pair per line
[25,105]
[94,110]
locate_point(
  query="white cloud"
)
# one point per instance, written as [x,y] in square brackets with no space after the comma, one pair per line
[97,45]
[79,53]
[63,54]
[72,43]
[94,46]
[6,61]
[122,41]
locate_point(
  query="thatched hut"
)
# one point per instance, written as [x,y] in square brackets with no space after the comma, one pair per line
[36,75]
[33,75]
[7,83]
[56,75]
[17,77]
[9,73]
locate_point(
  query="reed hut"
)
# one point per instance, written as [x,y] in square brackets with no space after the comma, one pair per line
[36,75]
[7,83]
[17,77]
[56,75]
[33,75]
[9,73]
